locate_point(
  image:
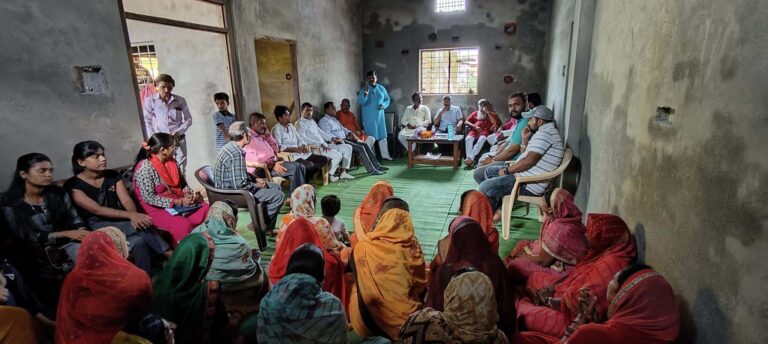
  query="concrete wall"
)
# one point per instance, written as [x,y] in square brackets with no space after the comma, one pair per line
[692,188]
[406,24]
[43,110]
[327,34]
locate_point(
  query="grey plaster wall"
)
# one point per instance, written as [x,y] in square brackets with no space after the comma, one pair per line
[692,188]
[328,38]
[406,24]
[43,110]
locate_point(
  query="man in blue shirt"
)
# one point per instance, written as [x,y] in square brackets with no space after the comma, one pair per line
[374,99]
[449,114]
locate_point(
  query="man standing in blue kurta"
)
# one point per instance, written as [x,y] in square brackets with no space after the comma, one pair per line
[374,99]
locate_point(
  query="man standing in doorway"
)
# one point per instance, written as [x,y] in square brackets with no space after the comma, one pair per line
[374,99]
[165,112]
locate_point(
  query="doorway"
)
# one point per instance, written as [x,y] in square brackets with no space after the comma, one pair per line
[278,76]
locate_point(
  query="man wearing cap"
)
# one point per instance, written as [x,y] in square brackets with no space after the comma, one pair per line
[449,114]
[165,112]
[542,151]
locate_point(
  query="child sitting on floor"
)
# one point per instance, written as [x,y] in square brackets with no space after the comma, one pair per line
[331,206]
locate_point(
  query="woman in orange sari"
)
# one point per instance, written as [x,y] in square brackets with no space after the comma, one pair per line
[390,278]
[369,208]
[103,292]
[302,231]
[303,203]
[612,248]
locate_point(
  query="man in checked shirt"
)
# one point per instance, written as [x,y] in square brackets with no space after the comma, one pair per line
[165,112]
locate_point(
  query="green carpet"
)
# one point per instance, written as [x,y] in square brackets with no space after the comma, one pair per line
[433,194]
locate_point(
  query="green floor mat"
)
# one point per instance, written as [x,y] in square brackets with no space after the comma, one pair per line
[433,194]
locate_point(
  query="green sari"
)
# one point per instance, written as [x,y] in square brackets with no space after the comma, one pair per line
[181,290]
[233,262]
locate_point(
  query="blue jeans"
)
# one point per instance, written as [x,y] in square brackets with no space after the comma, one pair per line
[495,187]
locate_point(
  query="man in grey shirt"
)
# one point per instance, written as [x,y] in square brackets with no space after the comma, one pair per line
[449,114]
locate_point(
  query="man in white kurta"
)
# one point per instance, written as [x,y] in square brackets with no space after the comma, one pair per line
[330,147]
[414,116]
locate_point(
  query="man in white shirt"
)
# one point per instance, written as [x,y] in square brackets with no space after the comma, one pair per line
[288,141]
[330,125]
[335,149]
[165,112]
[414,116]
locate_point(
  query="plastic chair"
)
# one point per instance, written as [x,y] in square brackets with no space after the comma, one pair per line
[508,201]
[242,198]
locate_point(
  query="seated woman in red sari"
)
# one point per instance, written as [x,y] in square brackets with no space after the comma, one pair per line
[475,205]
[302,231]
[553,306]
[160,185]
[369,208]
[642,310]
[561,244]
[470,248]
[103,292]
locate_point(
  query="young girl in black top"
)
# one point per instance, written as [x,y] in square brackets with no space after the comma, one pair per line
[103,200]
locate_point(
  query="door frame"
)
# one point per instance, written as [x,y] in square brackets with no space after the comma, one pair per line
[292,44]
[229,36]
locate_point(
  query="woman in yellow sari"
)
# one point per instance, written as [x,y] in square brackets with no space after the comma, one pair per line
[390,278]
[369,208]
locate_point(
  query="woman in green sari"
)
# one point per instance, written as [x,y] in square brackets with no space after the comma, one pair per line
[183,295]
[243,283]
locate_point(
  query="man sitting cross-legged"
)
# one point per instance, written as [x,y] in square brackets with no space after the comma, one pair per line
[542,151]
[230,173]
[262,151]
[331,126]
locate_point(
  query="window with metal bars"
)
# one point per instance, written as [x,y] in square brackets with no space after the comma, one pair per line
[448,71]
[144,62]
[449,5]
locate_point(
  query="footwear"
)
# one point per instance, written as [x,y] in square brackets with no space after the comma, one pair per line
[388,158]
[376,173]
[468,162]
[497,216]
[346,175]
[333,178]
[383,168]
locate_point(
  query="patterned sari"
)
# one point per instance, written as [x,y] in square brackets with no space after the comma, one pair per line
[303,202]
[103,292]
[562,237]
[470,315]
[390,278]
[369,208]
[612,248]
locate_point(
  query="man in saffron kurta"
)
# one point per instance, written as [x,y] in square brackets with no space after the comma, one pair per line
[348,119]
[374,99]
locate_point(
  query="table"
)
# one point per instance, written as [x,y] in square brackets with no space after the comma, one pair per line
[454,160]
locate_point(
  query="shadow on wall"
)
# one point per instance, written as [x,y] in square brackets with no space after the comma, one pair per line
[710,325]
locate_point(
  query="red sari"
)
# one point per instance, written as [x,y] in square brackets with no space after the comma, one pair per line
[300,232]
[644,311]
[101,294]
[612,248]
[470,248]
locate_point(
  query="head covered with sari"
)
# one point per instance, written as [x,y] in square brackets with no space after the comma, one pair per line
[563,234]
[471,249]
[303,205]
[611,248]
[369,208]
[102,293]
[181,289]
[300,232]
[470,315]
[297,310]
[233,262]
[390,277]
[475,205]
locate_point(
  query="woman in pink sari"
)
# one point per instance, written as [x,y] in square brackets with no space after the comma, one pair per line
[159,184]
[551,308]
[560,246]
[642,310]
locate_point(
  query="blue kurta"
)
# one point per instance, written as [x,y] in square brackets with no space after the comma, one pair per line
[373,110]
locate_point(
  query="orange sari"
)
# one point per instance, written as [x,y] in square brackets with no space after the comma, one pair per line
[390,275]
[366,213]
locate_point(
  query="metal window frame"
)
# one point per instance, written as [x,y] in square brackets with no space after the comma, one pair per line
[442,9]
[450,51]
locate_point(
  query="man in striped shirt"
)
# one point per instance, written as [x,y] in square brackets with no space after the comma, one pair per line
[541,151]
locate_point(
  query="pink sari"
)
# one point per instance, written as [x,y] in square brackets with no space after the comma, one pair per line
[562,237]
